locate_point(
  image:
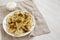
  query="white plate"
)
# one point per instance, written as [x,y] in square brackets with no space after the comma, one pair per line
[4,25]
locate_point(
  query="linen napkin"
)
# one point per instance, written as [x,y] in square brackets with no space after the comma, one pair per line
[40,27]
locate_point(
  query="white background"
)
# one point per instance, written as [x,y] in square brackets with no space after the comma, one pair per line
[50,9]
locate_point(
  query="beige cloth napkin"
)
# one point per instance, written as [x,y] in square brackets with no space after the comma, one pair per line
[40,27]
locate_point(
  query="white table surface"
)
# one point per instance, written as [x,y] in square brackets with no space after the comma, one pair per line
[50,9]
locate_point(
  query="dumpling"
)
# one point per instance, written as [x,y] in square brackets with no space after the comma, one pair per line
[19,31]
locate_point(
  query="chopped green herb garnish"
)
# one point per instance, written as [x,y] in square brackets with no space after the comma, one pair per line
[18,21]
[25,15]
[25,31]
